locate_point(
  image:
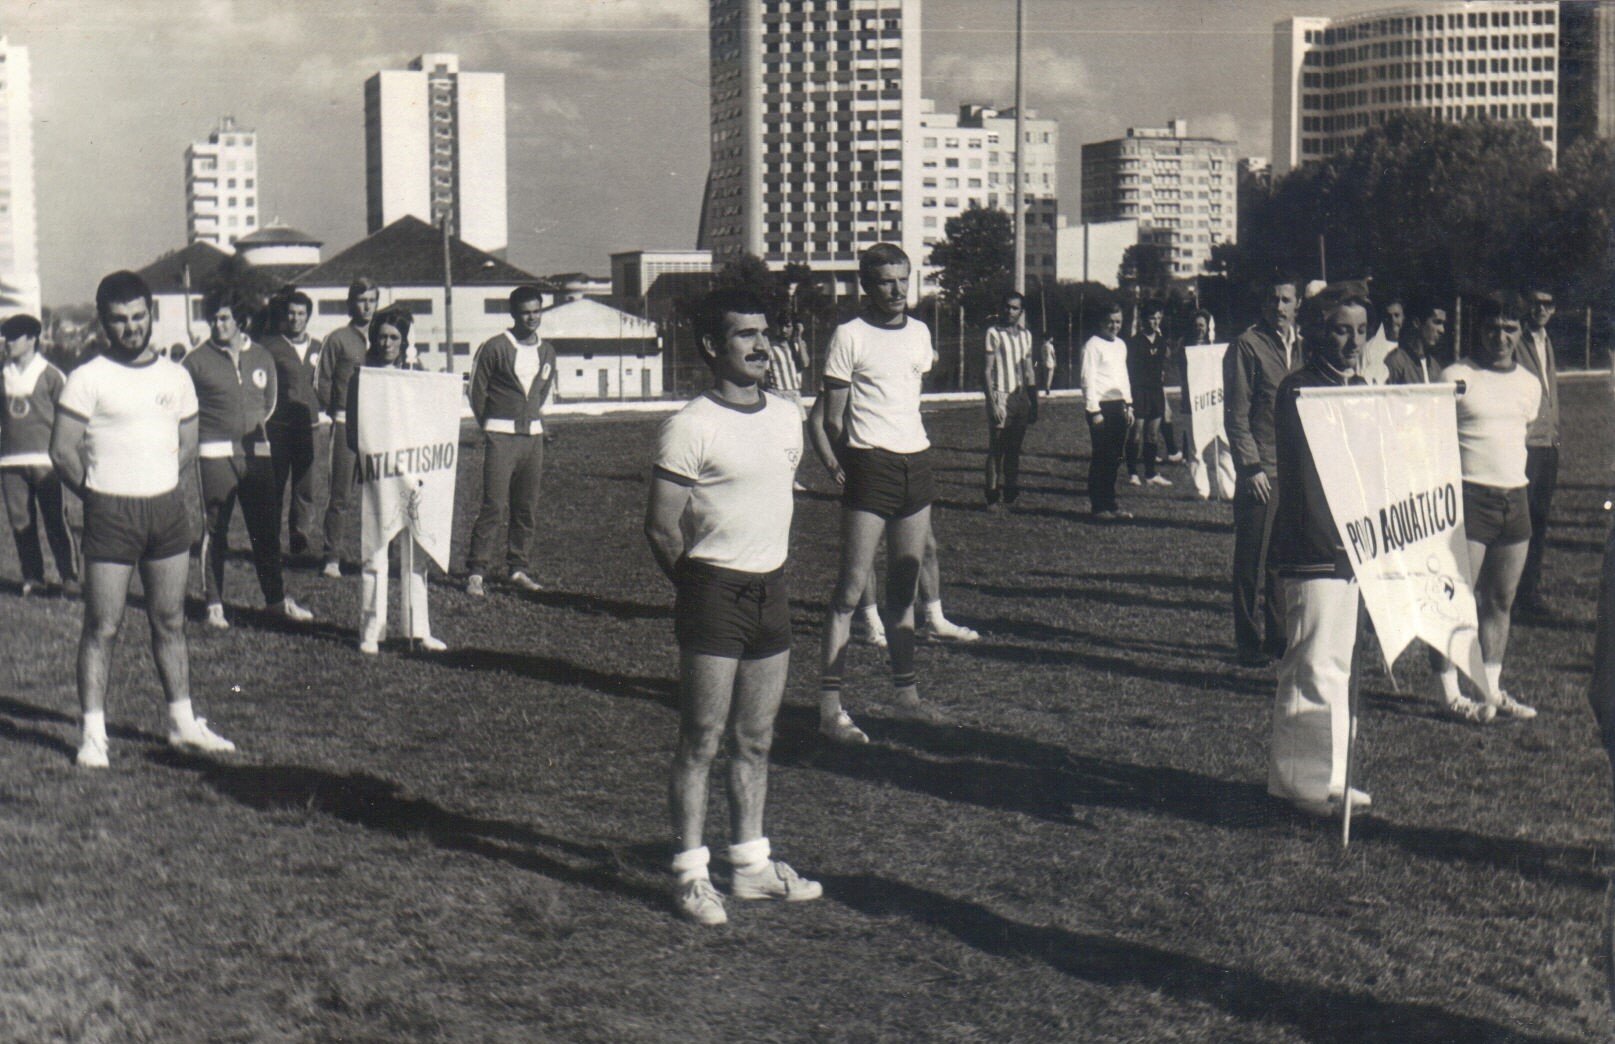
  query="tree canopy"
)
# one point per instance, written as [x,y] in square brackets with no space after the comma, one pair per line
[977,258]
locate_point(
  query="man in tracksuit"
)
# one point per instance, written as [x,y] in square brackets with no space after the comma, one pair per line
[235,395]
[298,424]
[30,486]
[341,357]
[1252,368]
[1541,444]
[510,379]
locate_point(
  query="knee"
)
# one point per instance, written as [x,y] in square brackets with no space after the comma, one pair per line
[100,629]
[167,623]
[698,744]
[753,744]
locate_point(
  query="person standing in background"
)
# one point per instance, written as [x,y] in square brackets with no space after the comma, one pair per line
[1542,444]
[299,429]
[341,358]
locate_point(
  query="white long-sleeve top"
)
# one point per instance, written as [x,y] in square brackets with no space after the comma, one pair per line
[1104,373]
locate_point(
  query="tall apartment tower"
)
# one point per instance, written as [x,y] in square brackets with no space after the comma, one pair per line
[19,246]
[1182,191]
[967,159]
[221,186]
[1333,78]
[815,118]
[1586,70]
[435,148]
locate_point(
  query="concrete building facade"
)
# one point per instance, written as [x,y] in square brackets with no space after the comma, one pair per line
[435,149]
[1182,191]
[1093,253]
[221,186]
[1333,78]
[19,221]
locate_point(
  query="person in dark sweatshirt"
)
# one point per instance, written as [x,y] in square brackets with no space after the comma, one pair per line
[32,491]
[343,354]
[299,428]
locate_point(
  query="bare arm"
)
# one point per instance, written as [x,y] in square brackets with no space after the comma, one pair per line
[67,450]
[668,499]
[821,442]
[835,399]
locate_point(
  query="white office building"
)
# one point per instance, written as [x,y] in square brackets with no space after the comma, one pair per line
[19,227]
[435,149]
[221,186]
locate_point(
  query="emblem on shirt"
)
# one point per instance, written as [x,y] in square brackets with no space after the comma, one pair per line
[260,379]
[166,400]
[17,405]
[544,372]
[794,456]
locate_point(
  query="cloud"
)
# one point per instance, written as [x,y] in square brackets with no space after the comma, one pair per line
[1253,136]
[1051,78]
[605,15]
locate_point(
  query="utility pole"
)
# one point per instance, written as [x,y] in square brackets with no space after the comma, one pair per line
[448,297]
[1020,149]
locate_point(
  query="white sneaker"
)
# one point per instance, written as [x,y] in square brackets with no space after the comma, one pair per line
[775,880]
[910,707]
[698,901]
[1465,709]
[431,644]
[948,631]
[332,570]
[840,729]
[1134,480]
[292,611]
[197,736]
[370,648]
[874,634]
[1159,480]
[1360,802]
[521,580]
[92,754]
[474,586]
[1510,707]
[215,618]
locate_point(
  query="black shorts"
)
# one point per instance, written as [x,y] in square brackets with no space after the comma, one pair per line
[1149,403]
[891,485]
[130,530]
[724,612]
[1494,516]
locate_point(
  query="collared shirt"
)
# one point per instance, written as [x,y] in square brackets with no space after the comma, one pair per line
[1536,355]
[1252,369]
[1009,360]
[236,391]
[31,392]
[1104,373]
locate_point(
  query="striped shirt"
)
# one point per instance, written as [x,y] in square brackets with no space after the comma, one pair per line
[783,375]
[1009,360]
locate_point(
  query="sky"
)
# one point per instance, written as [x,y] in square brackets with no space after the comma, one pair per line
[606,104]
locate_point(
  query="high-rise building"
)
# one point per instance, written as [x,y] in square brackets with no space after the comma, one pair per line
[435,148]
[19,246]
[221,185]
[1333,78]
[1183,191]
[967,159]
[1586,70]
[815,111]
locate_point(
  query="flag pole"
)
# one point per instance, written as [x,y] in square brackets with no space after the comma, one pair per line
[406,603]
[1351,723]
[1020,148]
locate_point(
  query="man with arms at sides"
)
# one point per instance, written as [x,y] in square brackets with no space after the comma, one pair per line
[342,356]
[1011,387]
[872,380]
[1542,442]
[126,429]
[1416,358]
[32,492]
[512,376]
[1107,396]
[1312,707]
[299,428]
[719,522]
[1147,354]
[1252,368]
[236,392]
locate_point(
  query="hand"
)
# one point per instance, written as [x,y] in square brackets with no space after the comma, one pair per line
[1127,414]
[1259,487]
[1096,419]
[838,476]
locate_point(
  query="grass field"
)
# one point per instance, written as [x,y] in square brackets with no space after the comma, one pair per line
[472,847]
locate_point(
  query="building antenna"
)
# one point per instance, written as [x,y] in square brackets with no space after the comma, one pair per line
[1020,148]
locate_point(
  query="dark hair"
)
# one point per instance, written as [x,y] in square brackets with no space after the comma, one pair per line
[711,315]
[220,298]
[1278,279]
[522,294]
[19,326]
[878,255]
[1502,304]
[1201,313]
[118,288]
[1419,306]
[1151,307]
[362,285]
[1012,295]
[397,317]
[297,297]
[1536,286]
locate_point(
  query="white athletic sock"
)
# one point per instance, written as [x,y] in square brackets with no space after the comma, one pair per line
[1494,676]
[750,857]
[95,727]
[871,617]
[933,614]
[691,864]
[1449,684]
[829,699]
[181,714]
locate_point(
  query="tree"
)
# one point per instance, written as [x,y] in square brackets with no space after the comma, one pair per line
[1146,267]
[750,272]
[977,259]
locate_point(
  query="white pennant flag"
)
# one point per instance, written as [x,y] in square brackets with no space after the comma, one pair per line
[409,442]
[1212,468]
[1388,461]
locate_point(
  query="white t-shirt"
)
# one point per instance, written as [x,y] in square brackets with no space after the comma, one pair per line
[739,463]
[1104,373]
[884,366]
[526,363]
[133,414]
[1493,413]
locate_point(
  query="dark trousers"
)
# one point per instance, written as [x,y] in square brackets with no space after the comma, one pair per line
[512,471]
[344,491]
[1108,439]
[252,481]
[1004,448]
[33,494]
[296,456]
[1542,472]
[1250,517]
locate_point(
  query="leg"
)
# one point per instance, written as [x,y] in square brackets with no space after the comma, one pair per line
[343,490]
[219,490]
[1249,519]
[373,600]
[758,688]
[420,621]
[527,476]
[303,474]
[706,685]
[860,534]
[22,510]
[1542,473]
[106,589]
[259,493]
[1014,436]
[1497,579]
[1311,710]
[164,580]
[1099,497]
[1151,436]
[1133,446]
[498,461]
[905,548]
[52,511]
[995,461]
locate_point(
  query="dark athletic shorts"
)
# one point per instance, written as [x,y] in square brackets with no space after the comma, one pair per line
[1494,516]
[136,529]
[724,612]
[891,485]
[1149,403]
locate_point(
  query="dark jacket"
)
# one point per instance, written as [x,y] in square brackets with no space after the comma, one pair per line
[1544,431]
[496,393]
[234,395]
[1252,368]
[1146,363]
[299,406]
[1305,540]
[1402,367]
[342,356]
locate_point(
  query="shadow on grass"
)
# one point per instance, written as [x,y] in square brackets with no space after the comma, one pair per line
[562,672]
[382,805]
[1318,1013]
[1125,599]
[1178,524]
[597,605]
[27,712]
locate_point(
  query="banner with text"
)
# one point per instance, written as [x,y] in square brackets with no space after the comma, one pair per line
[1388,461]
[1212,468]
[409,442]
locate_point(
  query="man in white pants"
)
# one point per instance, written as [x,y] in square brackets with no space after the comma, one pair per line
[719,525]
